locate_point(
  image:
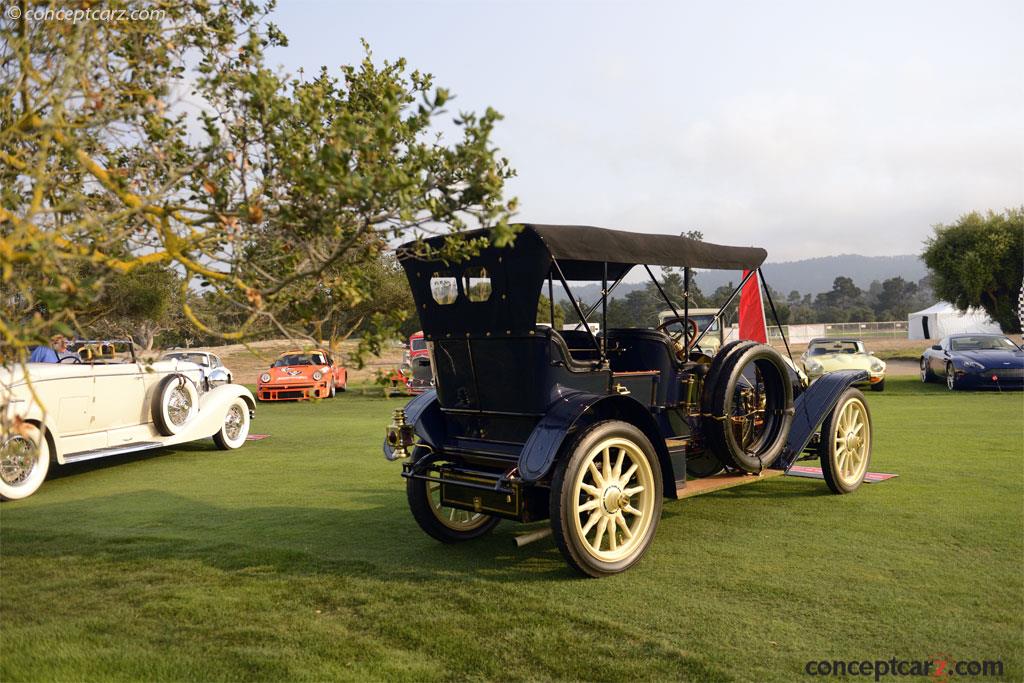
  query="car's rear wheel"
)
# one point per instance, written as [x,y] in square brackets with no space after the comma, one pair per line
[703,465]
[235,429]
[24,462]
[845,445]
[606,499]
[446,524]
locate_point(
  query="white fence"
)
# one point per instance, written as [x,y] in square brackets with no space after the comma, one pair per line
[801,334]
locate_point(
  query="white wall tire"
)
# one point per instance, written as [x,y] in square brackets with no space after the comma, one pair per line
[845,446]
[606,499]
[235,426]
[24,463]
[175,402]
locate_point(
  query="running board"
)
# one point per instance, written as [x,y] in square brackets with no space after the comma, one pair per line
[115,450]
[718,482]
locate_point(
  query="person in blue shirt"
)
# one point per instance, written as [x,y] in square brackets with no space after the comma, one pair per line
[43,354]
[50,354]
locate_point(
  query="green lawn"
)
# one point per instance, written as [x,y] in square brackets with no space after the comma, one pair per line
[296,558]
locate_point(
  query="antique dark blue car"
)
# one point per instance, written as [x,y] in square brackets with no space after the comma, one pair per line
[974,361]
[593,430]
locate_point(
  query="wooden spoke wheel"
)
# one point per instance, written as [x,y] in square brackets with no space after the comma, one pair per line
[446,524]
[845,446]
[606,499]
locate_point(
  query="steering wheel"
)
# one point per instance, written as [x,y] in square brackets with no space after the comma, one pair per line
[677,336]
[73,359]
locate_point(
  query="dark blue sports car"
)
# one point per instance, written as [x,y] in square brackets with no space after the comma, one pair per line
[975,361]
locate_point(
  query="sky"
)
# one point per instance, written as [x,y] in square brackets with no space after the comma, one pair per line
[808,128]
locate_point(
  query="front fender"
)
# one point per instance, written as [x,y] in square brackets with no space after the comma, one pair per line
[811,407]
[212,406]
[542,448]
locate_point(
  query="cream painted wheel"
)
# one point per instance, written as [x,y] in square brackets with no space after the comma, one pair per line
[845,447]
[446,524]
[24,462]
[456,519]
[608,497]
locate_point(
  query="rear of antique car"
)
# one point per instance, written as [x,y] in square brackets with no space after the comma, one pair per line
[593,431]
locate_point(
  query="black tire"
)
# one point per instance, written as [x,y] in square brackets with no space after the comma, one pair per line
[720,401]
[926,373]
[951,383]
[567,505]
[164,420]
[831,461]
[717,363]
[427,514]
[878,386]
[703,465]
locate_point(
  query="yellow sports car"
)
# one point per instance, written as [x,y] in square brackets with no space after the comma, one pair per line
[827,355]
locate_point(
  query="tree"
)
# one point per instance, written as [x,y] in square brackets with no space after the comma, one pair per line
[895,298]
[979,261]
[544,313]
[140,304]
[278,184]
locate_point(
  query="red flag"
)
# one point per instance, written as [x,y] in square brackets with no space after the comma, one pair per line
[752,321]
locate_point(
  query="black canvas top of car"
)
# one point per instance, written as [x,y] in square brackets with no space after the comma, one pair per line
[593,430]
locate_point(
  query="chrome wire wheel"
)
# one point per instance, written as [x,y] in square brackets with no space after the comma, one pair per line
[234,419]
[455,519]
[924,370]
[613,496]
[179,405]
[18,457]
[852,442]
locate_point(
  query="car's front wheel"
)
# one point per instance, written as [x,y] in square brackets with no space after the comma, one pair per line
[235,429]
[951,382]
[845,446]
[446,524]
[24,462]
[926,374]
[606,499]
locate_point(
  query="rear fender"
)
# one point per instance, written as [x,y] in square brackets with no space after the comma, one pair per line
[575,411]
[811,407]
[424,413]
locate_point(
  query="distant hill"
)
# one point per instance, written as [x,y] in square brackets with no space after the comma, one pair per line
[808,276]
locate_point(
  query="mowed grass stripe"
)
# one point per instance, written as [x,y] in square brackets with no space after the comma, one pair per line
[295,558]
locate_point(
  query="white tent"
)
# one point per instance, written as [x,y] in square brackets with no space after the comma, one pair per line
[942,319]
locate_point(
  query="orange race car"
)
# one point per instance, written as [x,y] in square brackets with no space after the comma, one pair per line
[298,375]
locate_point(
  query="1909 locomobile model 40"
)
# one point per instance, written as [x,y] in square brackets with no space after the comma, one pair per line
[593,430]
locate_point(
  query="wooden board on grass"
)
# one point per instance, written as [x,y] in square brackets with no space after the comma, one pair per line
[696,487]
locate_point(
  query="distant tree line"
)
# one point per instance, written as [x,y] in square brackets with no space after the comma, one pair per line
[891,299]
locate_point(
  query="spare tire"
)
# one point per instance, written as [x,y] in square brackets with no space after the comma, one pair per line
[175,401]
[748,407]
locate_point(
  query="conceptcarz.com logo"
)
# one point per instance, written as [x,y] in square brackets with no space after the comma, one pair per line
[939,668]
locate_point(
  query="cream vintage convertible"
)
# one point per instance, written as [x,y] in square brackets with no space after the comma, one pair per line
[81,409]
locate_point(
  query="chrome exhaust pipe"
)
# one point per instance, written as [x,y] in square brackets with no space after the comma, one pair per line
[524,539]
